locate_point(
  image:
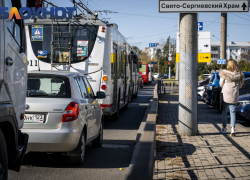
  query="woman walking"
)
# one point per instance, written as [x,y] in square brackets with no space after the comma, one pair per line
[231,80]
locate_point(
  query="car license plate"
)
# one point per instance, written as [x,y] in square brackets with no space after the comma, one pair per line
[34,118]
[100,101]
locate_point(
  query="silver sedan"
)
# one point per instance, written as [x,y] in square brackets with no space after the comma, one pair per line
[62,114]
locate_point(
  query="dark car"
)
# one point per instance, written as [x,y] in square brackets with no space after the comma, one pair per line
[165,76]
[216,96]
[243,108]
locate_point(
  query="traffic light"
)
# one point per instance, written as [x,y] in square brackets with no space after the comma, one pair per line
[34,3]
[169,63]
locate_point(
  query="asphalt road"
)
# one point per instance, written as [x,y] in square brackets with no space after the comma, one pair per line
[100,163]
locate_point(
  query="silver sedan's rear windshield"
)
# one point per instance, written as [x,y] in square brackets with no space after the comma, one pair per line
[48,86]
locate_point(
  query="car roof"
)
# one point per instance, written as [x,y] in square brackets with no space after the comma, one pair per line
[60,73]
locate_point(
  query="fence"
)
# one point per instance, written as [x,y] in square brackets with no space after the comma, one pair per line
[169,86]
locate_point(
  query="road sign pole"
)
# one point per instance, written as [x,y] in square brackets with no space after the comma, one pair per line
[188,75]
[223,38]
[169,51]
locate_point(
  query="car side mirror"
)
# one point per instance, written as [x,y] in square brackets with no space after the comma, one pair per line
[100,95]
[140,64]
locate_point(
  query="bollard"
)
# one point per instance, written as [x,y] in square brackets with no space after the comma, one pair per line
[172,87]
[164,88]
[158,86]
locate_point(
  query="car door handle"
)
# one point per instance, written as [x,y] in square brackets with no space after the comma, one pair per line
[9,61]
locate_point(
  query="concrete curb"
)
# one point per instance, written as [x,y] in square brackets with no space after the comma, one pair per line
[142,162]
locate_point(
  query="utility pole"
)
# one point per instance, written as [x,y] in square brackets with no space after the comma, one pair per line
[169,52]
[223,36]
[177,64]
[188,123]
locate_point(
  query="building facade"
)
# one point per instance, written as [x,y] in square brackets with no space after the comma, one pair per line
[152,50]
[233,50]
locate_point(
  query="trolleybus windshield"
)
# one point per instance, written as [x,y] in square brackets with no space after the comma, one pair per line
[80,40]
[143,69]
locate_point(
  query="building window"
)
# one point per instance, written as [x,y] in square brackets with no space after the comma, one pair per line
[236,51]
[236,57]
[230,50]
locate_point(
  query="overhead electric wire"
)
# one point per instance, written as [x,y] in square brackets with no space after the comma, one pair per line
[212,22]
[155,34]
[99,7]
[240,17]
[157,30]
[137,6]
[245,14]
[132,14]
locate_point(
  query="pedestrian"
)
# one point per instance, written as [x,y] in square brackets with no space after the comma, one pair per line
[231,80]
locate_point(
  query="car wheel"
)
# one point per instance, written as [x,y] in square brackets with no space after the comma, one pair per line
[3,158]
[78,160]
[98,141]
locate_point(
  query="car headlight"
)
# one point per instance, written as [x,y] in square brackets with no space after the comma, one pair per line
[243,103]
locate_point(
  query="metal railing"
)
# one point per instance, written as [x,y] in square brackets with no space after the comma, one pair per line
[167,86]
[142,164]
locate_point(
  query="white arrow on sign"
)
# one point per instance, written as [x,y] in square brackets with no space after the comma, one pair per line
[199,25]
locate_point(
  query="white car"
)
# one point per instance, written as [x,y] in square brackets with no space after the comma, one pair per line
[156,75]
[201,91]
[62,114]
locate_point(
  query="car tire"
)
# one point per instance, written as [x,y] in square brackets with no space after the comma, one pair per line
[149,82]
[78,160]
[98,141]
[3,158]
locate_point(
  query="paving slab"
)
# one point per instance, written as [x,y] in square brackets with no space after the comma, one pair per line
[209,155]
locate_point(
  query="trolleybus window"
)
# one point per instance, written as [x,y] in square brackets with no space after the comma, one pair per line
[78,33]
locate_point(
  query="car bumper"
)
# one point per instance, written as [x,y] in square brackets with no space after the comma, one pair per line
[52,140]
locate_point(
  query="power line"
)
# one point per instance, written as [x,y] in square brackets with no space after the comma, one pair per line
[137,6]
[157,30]
[131,14]
[239,16]
[212,22]
[155,34]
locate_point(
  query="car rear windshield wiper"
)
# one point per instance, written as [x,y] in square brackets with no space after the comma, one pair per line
[36,94]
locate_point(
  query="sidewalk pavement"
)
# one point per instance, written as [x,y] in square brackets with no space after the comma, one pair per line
[209,155]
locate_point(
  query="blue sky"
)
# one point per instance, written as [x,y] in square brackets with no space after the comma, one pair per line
[140,22]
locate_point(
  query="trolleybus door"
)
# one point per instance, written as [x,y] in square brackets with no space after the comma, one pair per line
[114,75]
[125,77]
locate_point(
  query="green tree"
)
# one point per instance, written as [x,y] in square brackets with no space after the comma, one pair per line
[162,56]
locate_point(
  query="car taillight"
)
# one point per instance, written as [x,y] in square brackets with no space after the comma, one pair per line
[103,86]
[71,112]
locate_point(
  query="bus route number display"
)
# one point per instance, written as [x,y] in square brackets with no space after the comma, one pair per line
[82,48]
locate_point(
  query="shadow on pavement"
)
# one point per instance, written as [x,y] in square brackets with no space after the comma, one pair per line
[111,155]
